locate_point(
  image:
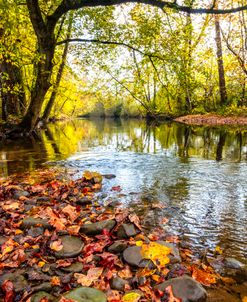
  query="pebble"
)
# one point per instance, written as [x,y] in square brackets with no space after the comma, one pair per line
[72,247]
[97,227]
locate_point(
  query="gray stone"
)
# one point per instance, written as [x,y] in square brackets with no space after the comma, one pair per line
[45,286]
[19,281]
[29,222]
[132,255]
[118,283]
[109,176]
[97,227]
[72,247]
[185,288]
[127,230]
[76,267]
[117,247]
[3,240]
[86,294]
[40,295]
[20,193]
[233,263]
[35,231]
[174,256]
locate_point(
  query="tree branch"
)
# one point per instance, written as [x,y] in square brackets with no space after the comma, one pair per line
[67,5]
[110,43]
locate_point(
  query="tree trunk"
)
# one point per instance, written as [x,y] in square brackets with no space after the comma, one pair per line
[51,101]
[221,70]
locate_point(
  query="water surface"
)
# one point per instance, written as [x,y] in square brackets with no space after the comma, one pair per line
[198,173]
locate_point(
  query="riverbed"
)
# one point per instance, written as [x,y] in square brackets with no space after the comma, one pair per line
[197,174]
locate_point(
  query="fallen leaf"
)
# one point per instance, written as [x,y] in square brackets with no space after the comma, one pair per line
[244,299]
[206,278]
[8,289]
[116,188]
[131,297]
[172,298]
[71,212]
[135,219]
[93,274]
[56,245]
[55,281]
[157,253]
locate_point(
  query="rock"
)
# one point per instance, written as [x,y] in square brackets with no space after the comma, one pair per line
[29,222]
[97,227]
[118,283]
[37,297]
[19,281]
[233,263]
[3,240]
[127,230]
[84,201]
[20,193]
[35,231]
[45,286]
[174,256]
[117,247]
[85,294]
[220,295]
[76,267]
[109,176]
[185,288]
[72,247]
[132,255]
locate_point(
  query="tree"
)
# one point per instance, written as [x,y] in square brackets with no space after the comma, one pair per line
[44,25]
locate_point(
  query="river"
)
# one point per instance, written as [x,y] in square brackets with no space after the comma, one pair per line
[199,174]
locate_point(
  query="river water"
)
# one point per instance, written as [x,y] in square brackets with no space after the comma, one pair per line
[198,173]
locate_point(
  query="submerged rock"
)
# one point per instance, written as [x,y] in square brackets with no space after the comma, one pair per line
[37,297]
[185,288]
[109,176]
[220,295]
[72,247]
[233,263]
[97,227]
[86,294]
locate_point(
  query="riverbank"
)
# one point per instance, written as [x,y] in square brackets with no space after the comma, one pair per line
[60,242]
[212,119]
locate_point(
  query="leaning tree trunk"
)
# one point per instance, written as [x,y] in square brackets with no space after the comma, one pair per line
[51,101]
[221,70]
[46,49]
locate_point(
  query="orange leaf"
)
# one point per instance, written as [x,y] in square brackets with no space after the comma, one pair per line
[56,245]
[71,212]
[206,278]
[93,274]
[172,298]
[55,281]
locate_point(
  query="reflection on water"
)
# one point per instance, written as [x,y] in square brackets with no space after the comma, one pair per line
[198,172]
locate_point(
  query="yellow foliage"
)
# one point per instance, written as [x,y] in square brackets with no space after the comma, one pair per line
[131,297]
[156,252]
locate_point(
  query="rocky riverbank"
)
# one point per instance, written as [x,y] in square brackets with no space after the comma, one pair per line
[59,242]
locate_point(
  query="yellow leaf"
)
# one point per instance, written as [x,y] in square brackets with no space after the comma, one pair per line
[131,297]
[244,299]
[139,243]
[41,263]
[18,232]
[218,250]
[156,252]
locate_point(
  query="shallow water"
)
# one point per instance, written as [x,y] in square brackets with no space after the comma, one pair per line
[198,173]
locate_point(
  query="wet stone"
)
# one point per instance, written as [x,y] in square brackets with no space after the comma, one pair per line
[132,255]
[72,247]
[45,286]
[118,283]
[37,297]
[20,193]
[3,240]
[185,288]
[76,267]
[29,222]
[35,231]
[84,201]
[97,227]
[19,281]
[117,247]
[233,263]
[85,294]
[127,230]
[109,176]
